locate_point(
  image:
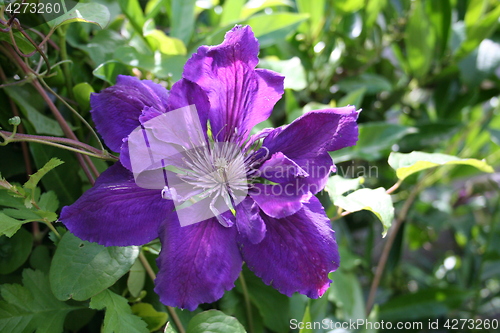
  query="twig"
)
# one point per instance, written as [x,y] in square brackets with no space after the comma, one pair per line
[152,275]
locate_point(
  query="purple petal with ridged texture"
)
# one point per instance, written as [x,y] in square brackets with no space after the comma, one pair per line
[240,96]
[248,221]
[279,200]
[116,110]
[315,133]
[297,253]
[116,212]
[197,263]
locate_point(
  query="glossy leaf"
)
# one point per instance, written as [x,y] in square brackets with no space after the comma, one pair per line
[92,12]
[81,269]
[408,164]
[118,316]
[215,322]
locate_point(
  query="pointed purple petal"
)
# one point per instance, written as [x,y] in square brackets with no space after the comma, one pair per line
[116,110]
[279,200]
[116,212]
[240,96]
[197,263]
[248,221]
[315,133]
[297,253]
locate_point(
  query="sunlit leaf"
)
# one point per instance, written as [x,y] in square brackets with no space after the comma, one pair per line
[214,321]
[153,318]
[92,12]
[408,164]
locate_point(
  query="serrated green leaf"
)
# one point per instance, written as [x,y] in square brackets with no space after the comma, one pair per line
[31,306]
[118,317]
[37,176]
[154,319]
[92,12]
[215,322]
[375,200]
[14,251]
[408,164]
[48,201]
[81,269]
[8,225]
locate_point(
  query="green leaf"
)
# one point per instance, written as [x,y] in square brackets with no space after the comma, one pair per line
[41,123]
[408,164]
[109,70]
[37,176]
[165,44]
[136,278]
[419,41]
[31,306]
[14,251]
[338,185]
[347,294]
[8,225]
[64,181]
[349,6]
[306,319]
[92,12]
[133,11]
[377,201]
[427,303]
[215,322]
[231,11]
[373,83]
[118,317]
[153,318]
[81,269]
[22,42]
[270,29]
[476,33]
[353,98]
[292,69]
[252,7]
[375,140]
[182,19]
[373,8]
[315,10]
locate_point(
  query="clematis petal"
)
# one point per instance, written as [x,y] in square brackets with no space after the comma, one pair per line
[116,212]
[240,96]
[248,221]
[315,133]
[297,253]
[279,200]
[318,169]
[116,109]
[280,169]
[197,263]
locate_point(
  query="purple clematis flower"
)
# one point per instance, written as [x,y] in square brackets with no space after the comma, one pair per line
[275,224]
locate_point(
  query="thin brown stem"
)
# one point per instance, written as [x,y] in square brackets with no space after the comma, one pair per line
[388,245]
[152,275]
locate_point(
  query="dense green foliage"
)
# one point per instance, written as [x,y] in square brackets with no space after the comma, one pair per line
[426,75]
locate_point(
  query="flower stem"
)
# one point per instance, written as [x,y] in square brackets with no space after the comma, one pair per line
[248,306]
[152,275]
